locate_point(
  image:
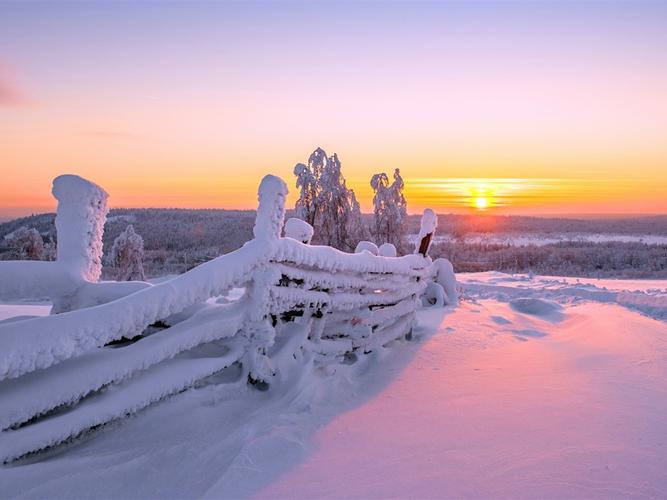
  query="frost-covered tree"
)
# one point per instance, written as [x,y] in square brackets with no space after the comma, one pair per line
[127,255]
[50,250]
[308,183]
[335,205]
[326,203]
[356,228]
[389,208]
[25,244]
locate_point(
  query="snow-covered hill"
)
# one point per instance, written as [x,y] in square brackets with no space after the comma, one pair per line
[533,387]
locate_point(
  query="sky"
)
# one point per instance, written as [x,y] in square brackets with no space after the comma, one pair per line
[526,107]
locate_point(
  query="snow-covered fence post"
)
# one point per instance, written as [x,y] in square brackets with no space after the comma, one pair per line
[429,223]
[259,331]
[271,210]
[82,211]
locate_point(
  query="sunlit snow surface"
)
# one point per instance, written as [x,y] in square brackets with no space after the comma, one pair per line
[22,309]
[538,388]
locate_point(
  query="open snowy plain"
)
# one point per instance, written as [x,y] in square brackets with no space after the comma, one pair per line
[532,387]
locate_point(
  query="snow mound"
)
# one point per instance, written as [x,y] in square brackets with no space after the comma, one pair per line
[387,250]
[368,246]
[299,230]
[541,308]
[444,276]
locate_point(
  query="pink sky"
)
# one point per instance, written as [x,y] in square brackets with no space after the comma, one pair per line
[188,105]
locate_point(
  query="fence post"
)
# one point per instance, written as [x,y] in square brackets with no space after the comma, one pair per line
[82,212]
[429,222]
[271,209]
[259,331]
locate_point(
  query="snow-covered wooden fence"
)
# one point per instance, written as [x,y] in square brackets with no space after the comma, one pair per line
[115,348]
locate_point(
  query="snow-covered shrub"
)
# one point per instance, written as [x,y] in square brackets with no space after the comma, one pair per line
[367,246]
[299,230]
[127,255]
[387,250]
[389,208]
[444,276]
[82,211]
[25,244]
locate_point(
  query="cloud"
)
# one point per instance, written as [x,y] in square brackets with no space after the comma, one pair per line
[11,95]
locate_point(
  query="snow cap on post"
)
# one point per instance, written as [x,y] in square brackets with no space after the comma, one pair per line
[387,250]
[271,210]
[299,229]
[428,225]
[82,212]
[367,246]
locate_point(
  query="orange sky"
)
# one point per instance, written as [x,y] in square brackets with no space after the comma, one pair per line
[543,107]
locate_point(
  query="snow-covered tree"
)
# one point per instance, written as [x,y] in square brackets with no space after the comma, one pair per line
[326,203]
[357,230]
[389,208]
[25,244]
[50,250]
[308,183]
[127,255]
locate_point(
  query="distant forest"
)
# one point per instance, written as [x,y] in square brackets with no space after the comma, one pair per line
[176,240]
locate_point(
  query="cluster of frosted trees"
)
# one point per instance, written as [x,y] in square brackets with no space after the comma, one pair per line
[27,244]
[127,252]
[327,204]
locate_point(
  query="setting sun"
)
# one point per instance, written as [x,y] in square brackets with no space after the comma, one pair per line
[481,203]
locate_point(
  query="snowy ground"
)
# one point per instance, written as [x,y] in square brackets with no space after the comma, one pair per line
[543,387]
[541,239]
